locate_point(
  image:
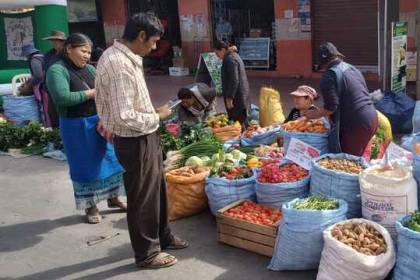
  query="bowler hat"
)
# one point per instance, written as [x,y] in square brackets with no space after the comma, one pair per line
[56,35]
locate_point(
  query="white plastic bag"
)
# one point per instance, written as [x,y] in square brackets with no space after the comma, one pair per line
[416,118]
[387,199]
[341,262]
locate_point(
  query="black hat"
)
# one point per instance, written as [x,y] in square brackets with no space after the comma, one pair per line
[327,51]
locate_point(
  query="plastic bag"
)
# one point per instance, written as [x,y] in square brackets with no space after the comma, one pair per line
[387,199]
[316,140]
[336,184]
[266,138]
[408,254]
[416,118]
[221,192]
[21,109]
[254,113]
[339,261]
[299,239]
[275,195]
[186,195]
[271,111]
[399,109]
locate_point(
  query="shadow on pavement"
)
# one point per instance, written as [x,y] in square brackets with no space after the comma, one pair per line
[21,236]
[117,254]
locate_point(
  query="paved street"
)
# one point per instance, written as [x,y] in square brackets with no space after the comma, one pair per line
[42,236]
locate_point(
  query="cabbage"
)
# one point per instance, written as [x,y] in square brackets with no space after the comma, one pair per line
[229,157]
[206,160]
[238,155]
[194,162]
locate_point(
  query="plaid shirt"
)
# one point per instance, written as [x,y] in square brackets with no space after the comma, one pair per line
[122,98]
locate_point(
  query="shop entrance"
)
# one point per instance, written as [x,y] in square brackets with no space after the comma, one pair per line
[249,25]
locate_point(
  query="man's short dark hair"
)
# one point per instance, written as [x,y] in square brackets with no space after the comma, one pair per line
[185,93]
[146,22]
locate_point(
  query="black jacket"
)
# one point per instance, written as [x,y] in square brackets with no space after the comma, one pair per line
[235,84]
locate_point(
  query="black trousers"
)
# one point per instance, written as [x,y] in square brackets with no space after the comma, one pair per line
[147,212]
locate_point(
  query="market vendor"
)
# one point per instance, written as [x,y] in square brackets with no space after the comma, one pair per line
[346,102]
[198,102]
[303,98]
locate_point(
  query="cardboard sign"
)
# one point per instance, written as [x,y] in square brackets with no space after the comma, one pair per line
[301,153]
[395,152]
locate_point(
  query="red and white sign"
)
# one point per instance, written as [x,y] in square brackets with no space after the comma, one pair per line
[301,153]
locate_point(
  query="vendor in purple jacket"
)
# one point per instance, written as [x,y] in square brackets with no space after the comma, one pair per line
[346,102]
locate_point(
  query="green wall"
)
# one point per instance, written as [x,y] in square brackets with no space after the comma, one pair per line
[47,18]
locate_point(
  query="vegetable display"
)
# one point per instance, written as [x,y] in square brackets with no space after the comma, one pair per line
[255,213]
[269,151]
[317,203]
[313,126]
[414,222]
[218,121]
[287,173]
[417,148]
[255,129]
[361,237]
[30,137]
[344,165]
[235,173]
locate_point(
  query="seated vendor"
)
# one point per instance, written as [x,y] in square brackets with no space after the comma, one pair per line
[198,102]
[303,99]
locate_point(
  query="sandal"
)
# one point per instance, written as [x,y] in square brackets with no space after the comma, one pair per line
[160,261]
[93,218]
[117,204]
[177,244]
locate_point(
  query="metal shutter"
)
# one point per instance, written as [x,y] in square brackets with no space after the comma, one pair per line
[352,25]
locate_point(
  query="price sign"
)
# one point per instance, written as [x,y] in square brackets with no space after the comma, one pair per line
[301,153]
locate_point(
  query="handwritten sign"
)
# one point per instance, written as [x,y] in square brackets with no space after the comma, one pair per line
[301,153]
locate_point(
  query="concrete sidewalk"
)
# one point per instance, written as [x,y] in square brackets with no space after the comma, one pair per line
[42,236]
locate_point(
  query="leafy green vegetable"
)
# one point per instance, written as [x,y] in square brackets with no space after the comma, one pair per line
[317,203]
[414,222]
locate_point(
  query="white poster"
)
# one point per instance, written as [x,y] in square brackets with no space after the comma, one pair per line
[19,32]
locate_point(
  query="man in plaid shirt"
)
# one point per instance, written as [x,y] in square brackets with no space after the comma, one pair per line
[126,111]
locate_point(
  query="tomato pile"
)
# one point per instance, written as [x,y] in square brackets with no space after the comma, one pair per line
[255,213]
[273,173]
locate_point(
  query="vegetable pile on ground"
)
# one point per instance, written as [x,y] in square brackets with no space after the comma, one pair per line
[361,237]
[32,138]
[287,173]
[414,222]
[269,151]
[317,203]
[313,126]
[344,165]
[255,213]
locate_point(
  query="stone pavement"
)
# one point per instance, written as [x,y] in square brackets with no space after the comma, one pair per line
[42,236]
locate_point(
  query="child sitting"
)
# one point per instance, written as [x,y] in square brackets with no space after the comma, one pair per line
[303,98]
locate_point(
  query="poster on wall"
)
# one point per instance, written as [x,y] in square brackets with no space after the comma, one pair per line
[304,14]
[19,32]
[81,10]
[399,57]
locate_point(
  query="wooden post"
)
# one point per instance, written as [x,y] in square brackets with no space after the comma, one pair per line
[418,51]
